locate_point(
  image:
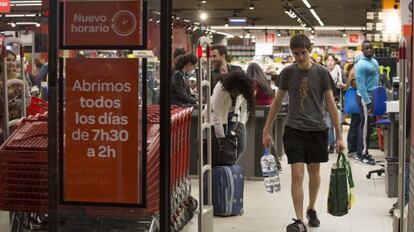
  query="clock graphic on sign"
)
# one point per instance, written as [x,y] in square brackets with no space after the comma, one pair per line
[124,23]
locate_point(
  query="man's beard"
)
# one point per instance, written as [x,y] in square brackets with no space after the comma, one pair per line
[216,64]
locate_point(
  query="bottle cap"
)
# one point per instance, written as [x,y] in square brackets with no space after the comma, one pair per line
[266,151]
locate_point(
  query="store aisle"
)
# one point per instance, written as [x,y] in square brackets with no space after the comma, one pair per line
[272,212]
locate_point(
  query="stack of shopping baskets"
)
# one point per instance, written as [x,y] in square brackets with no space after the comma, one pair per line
[24,171]
[23,167]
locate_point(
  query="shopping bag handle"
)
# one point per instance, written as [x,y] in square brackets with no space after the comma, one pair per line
[342,158]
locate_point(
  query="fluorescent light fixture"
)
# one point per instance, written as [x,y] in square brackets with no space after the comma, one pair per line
[307,4]
[335,28]
[26,4]
[27,23]
[237,20]
[317,17]
[268,27]
[203,16]
[19,15]
[29,1]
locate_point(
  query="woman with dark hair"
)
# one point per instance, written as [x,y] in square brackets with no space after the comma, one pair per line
[262,90]
[232,102]
[181,92]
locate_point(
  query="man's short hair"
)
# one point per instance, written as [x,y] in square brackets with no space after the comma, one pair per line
[300,41]
[221,49]
[365,42]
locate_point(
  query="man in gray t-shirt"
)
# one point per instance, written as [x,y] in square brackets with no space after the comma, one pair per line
[306,90]
[305,138]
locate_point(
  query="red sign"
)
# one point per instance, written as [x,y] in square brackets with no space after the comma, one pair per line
[353,38]
[101,161]
[4,6]
[99,23]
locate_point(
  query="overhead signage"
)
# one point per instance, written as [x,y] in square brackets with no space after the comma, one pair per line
[4,6]
[101,160]
[100,24]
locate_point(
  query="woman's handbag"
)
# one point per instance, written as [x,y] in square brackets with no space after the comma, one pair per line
[224,151]
[351,105]
[340,196]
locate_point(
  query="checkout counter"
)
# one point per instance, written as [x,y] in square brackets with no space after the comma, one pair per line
[250,161]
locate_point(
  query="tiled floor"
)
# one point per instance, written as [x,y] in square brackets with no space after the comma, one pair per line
[265,212]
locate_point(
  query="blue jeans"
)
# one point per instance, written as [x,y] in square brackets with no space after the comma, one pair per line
[331,131]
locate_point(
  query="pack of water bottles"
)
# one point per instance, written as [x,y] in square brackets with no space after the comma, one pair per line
[270,172]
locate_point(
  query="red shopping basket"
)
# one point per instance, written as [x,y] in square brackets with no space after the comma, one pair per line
[37,106]
[24,170]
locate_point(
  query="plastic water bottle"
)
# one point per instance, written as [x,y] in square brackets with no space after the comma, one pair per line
[270,173]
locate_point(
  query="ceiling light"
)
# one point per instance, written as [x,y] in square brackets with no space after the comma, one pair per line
[237,20]
[279,34]
[203,1]
[317,17]
[26,23]
[226,25]
[307,4]
[26,4]
[203,16]
[29,1]
[251,6]
[344,34]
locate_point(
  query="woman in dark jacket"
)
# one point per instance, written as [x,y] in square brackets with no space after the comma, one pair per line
[180,92]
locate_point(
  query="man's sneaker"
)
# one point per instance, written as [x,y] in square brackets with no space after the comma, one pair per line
[297,226]
[366,159]
[313,220]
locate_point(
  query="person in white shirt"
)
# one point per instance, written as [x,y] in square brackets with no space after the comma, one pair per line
[336,74]
[235,85]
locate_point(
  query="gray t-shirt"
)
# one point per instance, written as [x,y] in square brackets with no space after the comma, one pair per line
[306,89]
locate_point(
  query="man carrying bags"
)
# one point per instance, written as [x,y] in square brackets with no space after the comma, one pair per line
[305,137]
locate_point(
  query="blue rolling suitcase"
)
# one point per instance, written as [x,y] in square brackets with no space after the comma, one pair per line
[228,187]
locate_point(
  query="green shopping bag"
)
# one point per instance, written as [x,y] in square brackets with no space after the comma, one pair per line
[340,198]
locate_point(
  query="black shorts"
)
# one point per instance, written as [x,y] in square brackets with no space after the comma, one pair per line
[305,146]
